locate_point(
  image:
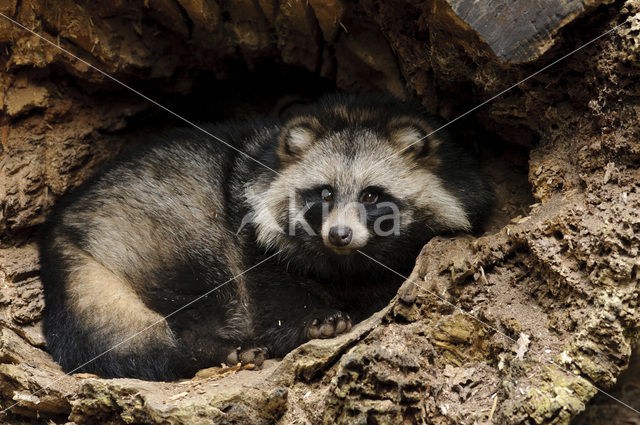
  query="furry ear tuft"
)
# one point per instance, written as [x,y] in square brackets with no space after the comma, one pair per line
[412,136]
[297,135]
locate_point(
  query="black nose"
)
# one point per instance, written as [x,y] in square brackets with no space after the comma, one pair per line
[340,235]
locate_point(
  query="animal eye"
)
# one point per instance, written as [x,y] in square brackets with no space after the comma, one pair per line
[327,194]
[369,197]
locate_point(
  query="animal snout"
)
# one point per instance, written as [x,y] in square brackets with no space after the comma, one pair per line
[340,235]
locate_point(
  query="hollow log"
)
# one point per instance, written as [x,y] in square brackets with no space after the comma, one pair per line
[531,322]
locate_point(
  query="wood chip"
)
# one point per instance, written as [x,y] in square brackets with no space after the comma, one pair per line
[177,396]
[85,376]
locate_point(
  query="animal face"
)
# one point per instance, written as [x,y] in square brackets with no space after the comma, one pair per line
[342,198]
[354,179]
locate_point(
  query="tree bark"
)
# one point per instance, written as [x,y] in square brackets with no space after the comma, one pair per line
[521,325]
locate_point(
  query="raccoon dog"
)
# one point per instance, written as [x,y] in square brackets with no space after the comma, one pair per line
[185,215]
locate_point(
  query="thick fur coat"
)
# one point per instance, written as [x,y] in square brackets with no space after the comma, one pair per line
[127,256]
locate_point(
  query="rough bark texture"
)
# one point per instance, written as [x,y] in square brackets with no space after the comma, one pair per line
[517,326]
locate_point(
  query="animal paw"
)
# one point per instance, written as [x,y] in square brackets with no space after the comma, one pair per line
[255,356]
[329,326]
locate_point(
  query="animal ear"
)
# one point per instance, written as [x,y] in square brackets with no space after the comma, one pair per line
[413,136]
[297,135]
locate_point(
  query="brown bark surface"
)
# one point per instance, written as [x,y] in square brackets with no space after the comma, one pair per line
[519,325]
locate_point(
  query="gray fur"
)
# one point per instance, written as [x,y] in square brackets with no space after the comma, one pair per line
[171,221]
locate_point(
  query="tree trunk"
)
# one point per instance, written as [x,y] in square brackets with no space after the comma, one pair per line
[524,324]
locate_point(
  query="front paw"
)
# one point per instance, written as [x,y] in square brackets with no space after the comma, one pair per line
[329,326]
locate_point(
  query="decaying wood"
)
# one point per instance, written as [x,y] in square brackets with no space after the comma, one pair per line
[519,325]
[518,31]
